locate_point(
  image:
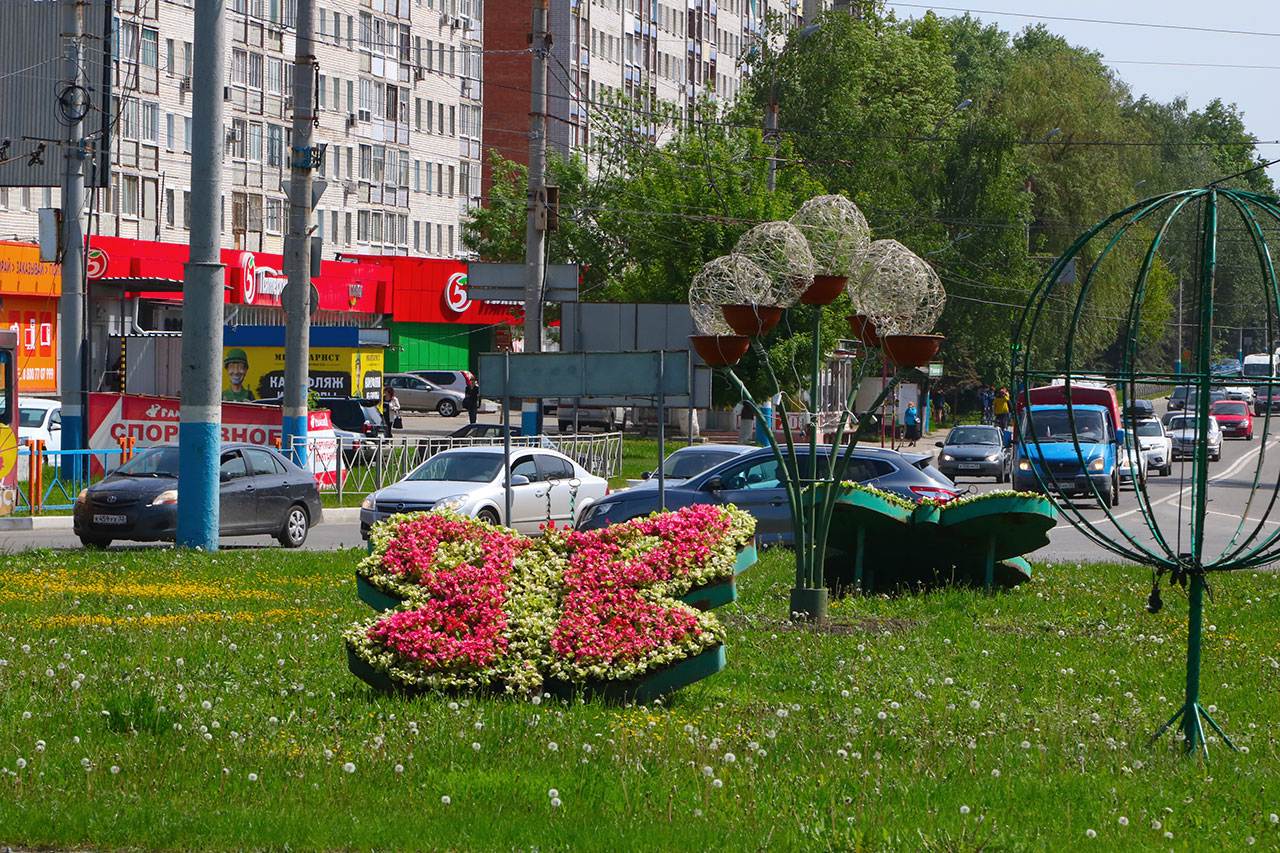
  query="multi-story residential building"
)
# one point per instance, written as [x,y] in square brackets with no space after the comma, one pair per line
[648,51]
[399,118]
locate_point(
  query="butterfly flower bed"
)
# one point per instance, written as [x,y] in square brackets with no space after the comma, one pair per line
[484,607]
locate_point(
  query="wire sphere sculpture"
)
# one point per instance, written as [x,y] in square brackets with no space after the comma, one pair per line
[781,251]
[731,279]
[897,290]
[1099,325]
[837,233]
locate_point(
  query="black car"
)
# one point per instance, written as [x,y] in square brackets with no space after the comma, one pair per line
[976,451]
[750,482]
[481,431]
[262,492]
[353,414]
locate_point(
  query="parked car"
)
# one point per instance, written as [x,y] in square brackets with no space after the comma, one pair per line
[1131,466]
[1240,392]
[348,414]
[262,492]
[40,420]
[483,433]
[546,486]
[1234,417]
[1183,431]
[751,482]
[418,395]
[449,380]
[607,418]
[1178,398]
[687,461]
[1156,446]
[975,451]
[1266,399]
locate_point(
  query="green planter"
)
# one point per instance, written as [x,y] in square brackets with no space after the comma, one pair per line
[746,558]
[646,688]
[379,681]
[712,595]
[374,597]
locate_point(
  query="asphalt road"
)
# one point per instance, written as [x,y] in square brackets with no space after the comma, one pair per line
[1231,513]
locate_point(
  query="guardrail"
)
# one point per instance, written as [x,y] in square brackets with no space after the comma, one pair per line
[50,480]
[367,464]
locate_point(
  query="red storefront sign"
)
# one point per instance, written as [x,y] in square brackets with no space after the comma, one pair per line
[252,278]
[434,290]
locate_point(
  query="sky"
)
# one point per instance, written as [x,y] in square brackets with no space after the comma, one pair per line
[1128,48]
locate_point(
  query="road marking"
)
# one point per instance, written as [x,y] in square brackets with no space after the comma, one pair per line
[1226,472]
[1250,520]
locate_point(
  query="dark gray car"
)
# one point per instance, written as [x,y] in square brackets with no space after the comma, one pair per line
[976,451]
[750,482]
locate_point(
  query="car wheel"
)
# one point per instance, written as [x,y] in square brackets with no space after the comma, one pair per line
[488,516]
[1166,471]
[294,530]
[1115,492]
[95,541]
[447,408]
[1001,476]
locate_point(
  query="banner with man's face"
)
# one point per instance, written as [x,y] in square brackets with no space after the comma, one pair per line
[257,373]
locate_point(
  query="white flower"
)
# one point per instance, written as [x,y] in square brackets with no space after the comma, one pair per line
[555,802]
[995,773]
[1122,820]
[328,755]
[553,746]
[40,748]
[716,783]
[22,763]
[948,681]
[349,767]
[1275,818]
[253,777]
[964,810]
[475,745]
[75,685]
[553,793]
[707,771]
[842,753]
[115,769]
[233,647]
[782,713]
[975,704]
[1250,841]
[399,768]
[207,705]
[1089,833]
[26,715]
[1026,744]
[1168,834]
[84,762]
[453,706]
[1155,824]
[729,758]
[445,800]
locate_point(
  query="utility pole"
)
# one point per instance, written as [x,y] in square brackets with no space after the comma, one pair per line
[1177,364]
[297,250]
[771,134]
[71,305]
[200,424]
[535,248]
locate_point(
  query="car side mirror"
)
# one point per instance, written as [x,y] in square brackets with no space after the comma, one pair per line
[646,475]
[224,476]
[519,480]
[55,427]
[1120,436]
[715,484]
[939,444]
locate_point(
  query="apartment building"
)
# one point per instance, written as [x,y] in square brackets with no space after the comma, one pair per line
[648,51]
[399,102]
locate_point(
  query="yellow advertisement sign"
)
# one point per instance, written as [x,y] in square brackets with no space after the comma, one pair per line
[257,373]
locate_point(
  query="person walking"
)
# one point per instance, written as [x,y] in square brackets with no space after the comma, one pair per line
[390,410]
[1000,406]
[911,420]
[987,397]
[471,399]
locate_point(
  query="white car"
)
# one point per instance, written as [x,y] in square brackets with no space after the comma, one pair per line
[1241,392]
[1156,446]
[1131,465]
[690,461]
[1183,433]
[40,420]
[546,486]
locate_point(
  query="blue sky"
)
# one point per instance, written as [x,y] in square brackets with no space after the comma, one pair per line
[1255,91]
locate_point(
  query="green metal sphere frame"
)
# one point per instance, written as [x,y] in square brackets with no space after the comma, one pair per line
[1247,548]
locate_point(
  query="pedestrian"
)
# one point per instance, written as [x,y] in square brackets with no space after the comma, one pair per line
[911,420]
[987,397]
[946,412]
[390,410]
[1000,406]
[471,399]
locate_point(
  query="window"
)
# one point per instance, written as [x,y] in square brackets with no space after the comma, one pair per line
[254,147]
[362,230]
[168,207]
[440,118]
[335,95]
[417,236]
[186,134]
[417,176]
[275,215]
[351,35]
[451,240]
[150,47]
[170,56]
[337,29]
[525,466]
[426,237]
[417,114]
[439,179]
[275,76]
[128,111]
[366,162]
[186,209]
[430,55]
[430,180]
[275,145]
[255,71]
[451,181]
[263,462]
[232,467]
[453,120]
[236,138]
[168,131]
[346,226]
[554,468]
[129,201]
[239,66]
[351,97]
[333,226]
[758,475]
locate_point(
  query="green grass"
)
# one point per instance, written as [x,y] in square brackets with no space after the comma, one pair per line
[942,721]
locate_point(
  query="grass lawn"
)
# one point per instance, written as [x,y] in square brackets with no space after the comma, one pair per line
[157,699]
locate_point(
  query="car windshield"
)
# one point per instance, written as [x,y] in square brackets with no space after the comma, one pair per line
[156,462]
[1055,425]
[1258,369]
[30,417]
[691,462]
[1181,392]
[1150,429]
[1185,423]
[459,467]
[1231,408]
[974,435]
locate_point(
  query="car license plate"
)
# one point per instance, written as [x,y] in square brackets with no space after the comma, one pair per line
[968,466]
[110,519]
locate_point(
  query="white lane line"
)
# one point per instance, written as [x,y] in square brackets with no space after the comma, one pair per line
[1237,518]
[1223,474]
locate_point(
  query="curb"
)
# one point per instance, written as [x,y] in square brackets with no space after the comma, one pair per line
[346,513]
[50,522]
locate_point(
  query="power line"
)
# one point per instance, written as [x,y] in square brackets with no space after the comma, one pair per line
[1078,20]
[1190,64]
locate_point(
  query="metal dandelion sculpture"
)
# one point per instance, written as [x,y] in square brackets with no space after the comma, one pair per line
[1102,317]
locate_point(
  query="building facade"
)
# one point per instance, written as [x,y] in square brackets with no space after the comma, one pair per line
[399,118]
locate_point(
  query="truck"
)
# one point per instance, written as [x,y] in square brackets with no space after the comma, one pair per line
[1045,445]
[1259,367]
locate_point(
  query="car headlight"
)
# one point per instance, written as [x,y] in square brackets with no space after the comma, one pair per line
[947,457]
[367,503]
[1097,464]
[1024,465]
[165,498]
[993,457]
[452,502]
[83,496]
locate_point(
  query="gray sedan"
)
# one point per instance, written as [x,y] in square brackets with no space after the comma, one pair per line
[418,395]
[975,451]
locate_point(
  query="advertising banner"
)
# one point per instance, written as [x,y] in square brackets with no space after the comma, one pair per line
[152,421]
[35,321]
[257,373]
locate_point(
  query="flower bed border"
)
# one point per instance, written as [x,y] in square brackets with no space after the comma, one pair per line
[646,688]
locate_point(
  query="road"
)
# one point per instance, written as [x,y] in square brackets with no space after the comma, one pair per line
[1229,508]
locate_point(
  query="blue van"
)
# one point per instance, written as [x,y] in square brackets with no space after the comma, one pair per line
[1051,460]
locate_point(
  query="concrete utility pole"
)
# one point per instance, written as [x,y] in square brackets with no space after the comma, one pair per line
[200,424]
[771,134]
[535,248]
[297,250]
[71,305]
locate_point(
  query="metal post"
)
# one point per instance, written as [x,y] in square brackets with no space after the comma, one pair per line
[202,293]
[1191,707]
[771,135]
[71,303]
[506,440]
[662,434]
[689,437]
[536,220]
[1177,364]
[297,249]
